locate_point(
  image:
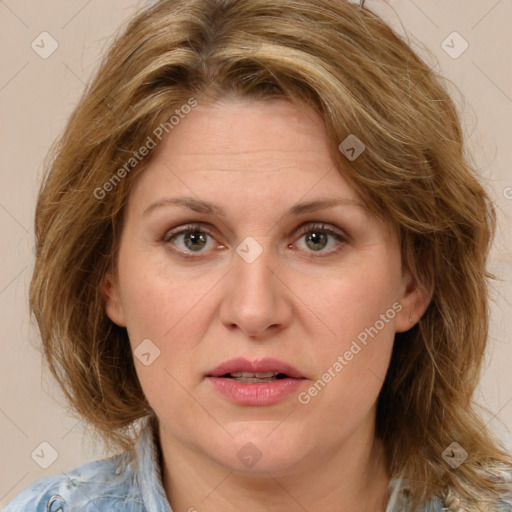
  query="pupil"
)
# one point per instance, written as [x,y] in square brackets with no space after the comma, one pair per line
[194,237]
[315,236]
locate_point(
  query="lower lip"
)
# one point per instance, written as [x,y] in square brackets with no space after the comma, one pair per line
[265,393]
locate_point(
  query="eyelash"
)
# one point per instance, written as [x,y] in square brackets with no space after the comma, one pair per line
[308,228]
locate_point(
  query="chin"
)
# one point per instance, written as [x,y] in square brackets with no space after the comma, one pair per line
[259,448]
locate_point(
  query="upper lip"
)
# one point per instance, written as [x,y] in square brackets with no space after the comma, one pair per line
[267,364]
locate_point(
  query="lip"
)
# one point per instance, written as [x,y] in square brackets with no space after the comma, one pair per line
[255,394]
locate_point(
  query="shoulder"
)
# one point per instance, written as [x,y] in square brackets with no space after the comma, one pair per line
[449,500]
[101,485]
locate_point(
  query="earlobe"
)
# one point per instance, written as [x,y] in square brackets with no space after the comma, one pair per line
[112,300]
[415,300]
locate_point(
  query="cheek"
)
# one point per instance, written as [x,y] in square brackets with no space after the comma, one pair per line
[358,312]
[173,311]
[168,312]
[352,365]
[355,298]
[158,302]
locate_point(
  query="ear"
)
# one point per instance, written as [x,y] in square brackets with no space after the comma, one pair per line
[415,299]
[112,299]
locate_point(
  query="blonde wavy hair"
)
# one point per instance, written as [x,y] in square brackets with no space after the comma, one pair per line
[362,79]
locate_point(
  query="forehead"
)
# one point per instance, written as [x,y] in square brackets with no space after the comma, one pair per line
[256,147]
[248,131]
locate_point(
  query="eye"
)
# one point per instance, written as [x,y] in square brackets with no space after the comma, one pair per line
[192,238]
[317,238]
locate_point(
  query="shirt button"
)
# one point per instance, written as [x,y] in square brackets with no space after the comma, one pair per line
[55,504]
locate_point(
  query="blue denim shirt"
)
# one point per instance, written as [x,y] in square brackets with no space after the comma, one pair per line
[132,482]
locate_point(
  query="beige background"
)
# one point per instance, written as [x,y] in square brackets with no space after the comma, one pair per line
[36,96]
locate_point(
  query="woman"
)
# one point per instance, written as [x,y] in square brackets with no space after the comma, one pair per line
[261,271]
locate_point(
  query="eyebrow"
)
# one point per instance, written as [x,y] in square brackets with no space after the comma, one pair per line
[209,208]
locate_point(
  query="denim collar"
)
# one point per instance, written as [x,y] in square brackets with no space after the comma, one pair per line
[149,472]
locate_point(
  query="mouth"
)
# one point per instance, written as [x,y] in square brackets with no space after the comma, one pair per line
[255,383]
[262,370]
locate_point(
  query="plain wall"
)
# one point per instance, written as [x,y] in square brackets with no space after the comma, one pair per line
[37,95]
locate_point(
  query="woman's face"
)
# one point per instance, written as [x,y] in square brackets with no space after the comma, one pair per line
[257,284]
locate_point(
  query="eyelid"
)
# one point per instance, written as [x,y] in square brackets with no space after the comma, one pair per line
[322,226]
[185,228]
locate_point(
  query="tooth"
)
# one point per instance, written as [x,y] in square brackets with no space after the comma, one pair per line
[261,375]
[251,380]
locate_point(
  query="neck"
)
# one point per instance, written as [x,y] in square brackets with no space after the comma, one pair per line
[352,478]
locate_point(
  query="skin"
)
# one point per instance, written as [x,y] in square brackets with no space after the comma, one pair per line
[298,302]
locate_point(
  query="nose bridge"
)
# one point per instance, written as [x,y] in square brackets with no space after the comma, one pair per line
[255,298]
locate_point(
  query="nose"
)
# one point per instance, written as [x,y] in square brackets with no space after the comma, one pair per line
[257,299]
